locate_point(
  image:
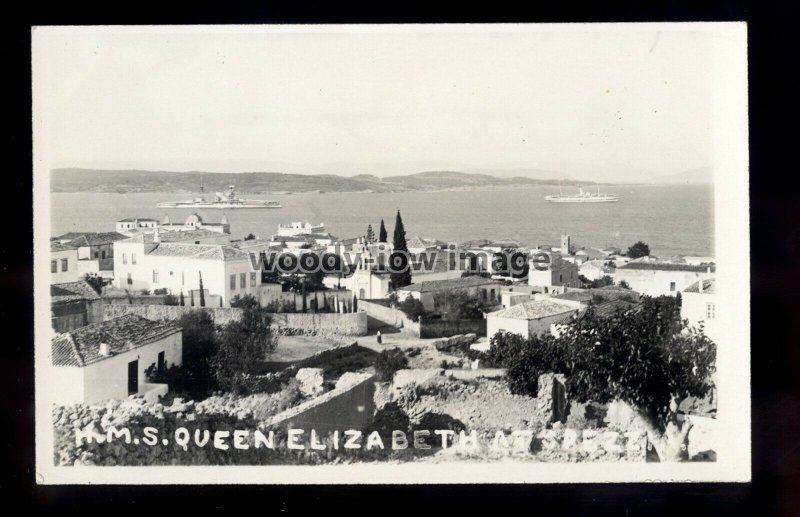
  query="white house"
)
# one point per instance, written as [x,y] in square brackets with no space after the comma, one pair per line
[596,269]
[63,263]
[178,267]
[552,273]
[484,289]
[107,360]
[300,228]
[135,223]
[699,306]
[530,318]
[658,278]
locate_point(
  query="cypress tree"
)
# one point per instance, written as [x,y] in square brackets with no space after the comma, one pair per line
[370,238]
[382,235]
[401,269]
[191,298]
[183,300]
[202,295]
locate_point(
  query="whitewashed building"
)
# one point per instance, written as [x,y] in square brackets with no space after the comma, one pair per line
[107,360]
[63,263]
[530,318]
[699,306]
[658,278]
[178,267]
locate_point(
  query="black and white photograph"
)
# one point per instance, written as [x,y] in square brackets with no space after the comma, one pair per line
[443,253]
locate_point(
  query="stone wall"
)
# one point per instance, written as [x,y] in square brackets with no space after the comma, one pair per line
[447,328]
[353,324]
[379,315]
[350,405]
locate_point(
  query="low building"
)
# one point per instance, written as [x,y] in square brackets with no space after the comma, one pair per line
[530,318]
[74,305]
[657,278]
[550,272]
[63,263]
[178,267]
[300,228]
[599,295]
[699,306]
[96,253]
[107,360]
[597,269]
[486,290]
[135,223]
[194,222]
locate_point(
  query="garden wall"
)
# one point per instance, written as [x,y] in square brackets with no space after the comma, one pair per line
[448,328]
[352,324]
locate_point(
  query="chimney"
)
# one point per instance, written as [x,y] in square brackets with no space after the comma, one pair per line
[104,349]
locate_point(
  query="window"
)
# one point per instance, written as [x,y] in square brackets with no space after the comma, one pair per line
[64,265]
[133,258]
[130,279]
[155,276]
[483,295]
[233,282]
[252,279]
[171,273]
[711,311]
[124,258]
[492,294]
[242,280]
[560,277]
[103,254]
[672,286]
[54,266]
[96,254]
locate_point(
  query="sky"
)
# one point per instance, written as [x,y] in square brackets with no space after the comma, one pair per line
[597,103]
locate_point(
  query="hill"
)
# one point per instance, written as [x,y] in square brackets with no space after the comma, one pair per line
[127,181]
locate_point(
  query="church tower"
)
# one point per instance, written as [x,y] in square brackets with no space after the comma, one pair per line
[565,244]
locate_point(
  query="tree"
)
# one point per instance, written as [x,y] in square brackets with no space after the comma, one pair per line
[458,304]
[200,343]
[625,284]
[370,237]
[382,234]
[412,308]
[243,347]
[250,237]
[388,362]
[638,250]
[248,301]
[96,282]
[401,268]
[183,300]
[646,358]
[603,281]
[171,299]
[202,292]
[191,298]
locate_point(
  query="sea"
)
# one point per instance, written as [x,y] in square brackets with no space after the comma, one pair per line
[671,219]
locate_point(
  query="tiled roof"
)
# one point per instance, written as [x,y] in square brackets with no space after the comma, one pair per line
[57,246]
[534,310]
[661,266]
[453,283]
[197,251]
[134,219]
[72,291]
[97,239]
[69,236]
[612,308]
[708,287]
[81,346]
[587,295]
[172,236]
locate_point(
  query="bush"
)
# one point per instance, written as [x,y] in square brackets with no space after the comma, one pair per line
[412,308]
[171,299]
[243,347]
[388,362]
[247,301]
[161,291]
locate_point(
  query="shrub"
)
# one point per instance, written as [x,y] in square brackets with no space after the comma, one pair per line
[243,347]
[247,301]
[388,362]
[171,299]
[161,291]
[412,308]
